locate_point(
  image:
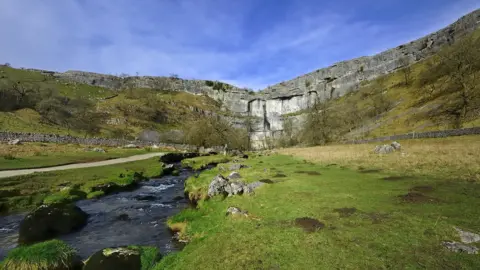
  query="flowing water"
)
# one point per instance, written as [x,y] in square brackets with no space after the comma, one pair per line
[128,218]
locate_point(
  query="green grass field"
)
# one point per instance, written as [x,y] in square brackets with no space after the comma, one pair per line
[25,192]
[38,155]
[372,220]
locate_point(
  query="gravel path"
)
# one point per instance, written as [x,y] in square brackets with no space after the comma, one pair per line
[11,173]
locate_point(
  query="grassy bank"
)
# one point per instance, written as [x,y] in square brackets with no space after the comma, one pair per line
[38,155]
[55,254]
[25,192]
[366,220]
[52,254]
[453,158]
[203,161]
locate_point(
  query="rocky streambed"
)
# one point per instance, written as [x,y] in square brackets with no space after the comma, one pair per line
[128,218]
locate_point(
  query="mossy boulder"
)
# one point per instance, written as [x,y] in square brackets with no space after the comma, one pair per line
[51,255]
[49,221]
[123,258]
[176,157]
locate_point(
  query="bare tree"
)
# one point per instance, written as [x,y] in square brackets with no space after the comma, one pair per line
[406,69]
[453,75]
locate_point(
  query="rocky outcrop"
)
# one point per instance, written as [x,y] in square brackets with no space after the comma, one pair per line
[267,108]
[221,186]
[386,149]
[49,221]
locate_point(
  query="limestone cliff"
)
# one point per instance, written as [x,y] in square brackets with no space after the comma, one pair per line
[268,107]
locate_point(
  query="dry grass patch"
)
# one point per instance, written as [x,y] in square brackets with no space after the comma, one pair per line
[455,157]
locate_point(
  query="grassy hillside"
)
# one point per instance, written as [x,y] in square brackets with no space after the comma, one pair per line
[427,101]
[123,114]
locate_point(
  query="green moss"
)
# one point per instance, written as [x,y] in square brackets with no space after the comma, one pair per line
[95,194]
[65,196]
[53,254]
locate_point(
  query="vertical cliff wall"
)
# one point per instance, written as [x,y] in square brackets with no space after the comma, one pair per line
[268,107]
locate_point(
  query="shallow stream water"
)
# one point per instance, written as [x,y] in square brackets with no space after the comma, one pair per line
[125,218]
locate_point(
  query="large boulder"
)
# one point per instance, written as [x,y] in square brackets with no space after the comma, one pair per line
[235,211]
[384,149]
[218,186]
[49,221]
[177,157]
[168,169]
[235,188]
[460,247]
[237,166]
[396,146]
[234,175]
[250,188]
[122,258]
[15,142]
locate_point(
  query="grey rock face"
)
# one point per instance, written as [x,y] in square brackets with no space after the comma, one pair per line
[235,211]
[236,188]
[15,142]
[234,175]
[236,167]
[218,186]
[384,149]
[468,237]
[250,188]
[460,247]
[396,146]
[268,106]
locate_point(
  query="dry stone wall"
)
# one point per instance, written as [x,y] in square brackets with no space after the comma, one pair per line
[423,135]
[65,139]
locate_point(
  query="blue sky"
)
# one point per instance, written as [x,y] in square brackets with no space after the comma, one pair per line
[250,43]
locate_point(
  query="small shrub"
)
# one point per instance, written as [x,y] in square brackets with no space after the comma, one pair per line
[53,254]
[40,154]
[209,83]
[308,83]
[9,157]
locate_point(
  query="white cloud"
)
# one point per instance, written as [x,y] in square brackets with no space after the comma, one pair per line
[195,39]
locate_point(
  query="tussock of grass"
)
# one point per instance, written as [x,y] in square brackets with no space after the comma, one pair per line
[35,188]
[149,256]
[454,158]
[53,254]
[366,224]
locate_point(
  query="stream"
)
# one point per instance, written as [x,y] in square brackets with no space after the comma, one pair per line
[128,218]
